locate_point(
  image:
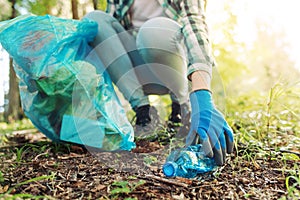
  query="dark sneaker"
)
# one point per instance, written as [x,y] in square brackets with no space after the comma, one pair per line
[179,119]
[175,117]
[142,115]
[147,123]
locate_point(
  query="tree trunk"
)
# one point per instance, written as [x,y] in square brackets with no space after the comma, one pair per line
[75,9]
[14,111]
[13,9]
[95,3]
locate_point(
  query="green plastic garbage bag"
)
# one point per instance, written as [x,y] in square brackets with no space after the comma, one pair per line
[64,88]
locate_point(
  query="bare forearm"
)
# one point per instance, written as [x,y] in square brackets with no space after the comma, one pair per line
[200,80]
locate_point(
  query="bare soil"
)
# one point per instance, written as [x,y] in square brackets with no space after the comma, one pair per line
[34,167]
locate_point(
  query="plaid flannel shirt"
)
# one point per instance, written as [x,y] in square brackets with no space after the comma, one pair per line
[188,13]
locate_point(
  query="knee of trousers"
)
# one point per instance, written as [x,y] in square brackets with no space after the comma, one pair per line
[162,34]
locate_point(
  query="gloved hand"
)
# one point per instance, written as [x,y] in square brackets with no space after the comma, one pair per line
[208,127]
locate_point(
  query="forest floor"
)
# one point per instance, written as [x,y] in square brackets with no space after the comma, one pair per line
[33,167]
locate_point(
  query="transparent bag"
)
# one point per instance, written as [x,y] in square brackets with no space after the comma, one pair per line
[64,88]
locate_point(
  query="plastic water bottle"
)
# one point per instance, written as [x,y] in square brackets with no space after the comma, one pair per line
[188,162]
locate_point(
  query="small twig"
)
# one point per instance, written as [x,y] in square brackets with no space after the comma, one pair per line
[280,191]
[166,180]
[281,151]
[42,186]
[24,132]
[205,185]
[72,155]
[68,174]
[16,163]
[42,154]
[242,190]
[49,187]
[285,170]
[60,188]
[61,176]
[288,151]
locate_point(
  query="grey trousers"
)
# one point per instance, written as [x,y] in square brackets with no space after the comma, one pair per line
[152,61]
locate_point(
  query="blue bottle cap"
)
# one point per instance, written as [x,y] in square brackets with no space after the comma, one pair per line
[169,169]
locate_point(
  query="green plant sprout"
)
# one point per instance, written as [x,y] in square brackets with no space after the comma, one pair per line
[7,195]
[124,187]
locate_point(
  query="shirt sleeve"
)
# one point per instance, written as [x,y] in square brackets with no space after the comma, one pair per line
[196,38]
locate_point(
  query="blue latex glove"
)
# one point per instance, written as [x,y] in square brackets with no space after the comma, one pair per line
[209,127]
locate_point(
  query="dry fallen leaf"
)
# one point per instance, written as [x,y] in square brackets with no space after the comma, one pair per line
[98,188]
[178,197]
[3,189]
